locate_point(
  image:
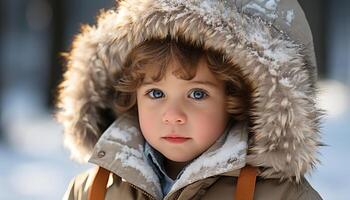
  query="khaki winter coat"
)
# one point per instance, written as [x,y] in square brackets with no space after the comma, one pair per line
[269,40]
[214,188]
[120,150]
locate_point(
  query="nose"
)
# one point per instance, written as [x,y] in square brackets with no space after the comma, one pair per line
[174,116]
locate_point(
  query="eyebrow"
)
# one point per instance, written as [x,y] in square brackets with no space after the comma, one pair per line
[207,83]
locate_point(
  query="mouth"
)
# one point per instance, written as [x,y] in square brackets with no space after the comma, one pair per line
[176,139]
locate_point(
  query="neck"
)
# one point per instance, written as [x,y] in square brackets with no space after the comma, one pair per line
[173,168]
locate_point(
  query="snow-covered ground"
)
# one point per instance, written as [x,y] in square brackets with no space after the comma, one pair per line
[332,177]
[35,166]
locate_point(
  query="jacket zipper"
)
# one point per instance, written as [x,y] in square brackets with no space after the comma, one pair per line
[143,192]
[150,196]
[177,194]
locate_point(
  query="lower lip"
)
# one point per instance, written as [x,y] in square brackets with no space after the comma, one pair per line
[177,140]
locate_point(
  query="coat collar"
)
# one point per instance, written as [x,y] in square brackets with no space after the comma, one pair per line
[120,150]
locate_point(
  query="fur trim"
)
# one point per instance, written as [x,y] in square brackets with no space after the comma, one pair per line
[285,120]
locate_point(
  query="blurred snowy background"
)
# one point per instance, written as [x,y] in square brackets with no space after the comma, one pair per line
[33,163]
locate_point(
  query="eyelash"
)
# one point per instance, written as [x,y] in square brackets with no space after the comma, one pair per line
[205,93]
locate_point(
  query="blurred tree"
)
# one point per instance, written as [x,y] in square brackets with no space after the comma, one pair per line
[2,11]
[57,45]
[338,41]
[318,16]
[68,15]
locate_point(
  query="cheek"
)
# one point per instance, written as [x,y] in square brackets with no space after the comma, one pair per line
[145,119]
[211,122]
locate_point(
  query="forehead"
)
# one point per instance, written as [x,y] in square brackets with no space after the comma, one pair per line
[201,71]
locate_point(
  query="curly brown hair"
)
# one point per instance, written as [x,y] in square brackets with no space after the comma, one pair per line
[159,53]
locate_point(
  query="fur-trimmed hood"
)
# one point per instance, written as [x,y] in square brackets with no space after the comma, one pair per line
[269,40]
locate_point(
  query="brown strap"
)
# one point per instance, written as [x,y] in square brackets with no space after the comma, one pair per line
[99,185]
[246,183]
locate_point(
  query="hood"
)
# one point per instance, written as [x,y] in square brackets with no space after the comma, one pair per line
[269,40]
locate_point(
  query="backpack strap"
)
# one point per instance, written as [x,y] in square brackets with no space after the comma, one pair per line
[99,185]
[246,183]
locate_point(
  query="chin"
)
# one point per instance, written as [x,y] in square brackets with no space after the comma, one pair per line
[178,158]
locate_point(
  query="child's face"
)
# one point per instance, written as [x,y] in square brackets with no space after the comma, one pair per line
[179,118]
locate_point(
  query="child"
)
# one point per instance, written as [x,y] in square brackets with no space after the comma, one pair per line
[193,99]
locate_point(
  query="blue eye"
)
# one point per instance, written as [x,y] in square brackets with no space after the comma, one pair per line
[155,93]
[198,94]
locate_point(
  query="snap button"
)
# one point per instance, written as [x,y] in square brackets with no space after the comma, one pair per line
[101,154]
